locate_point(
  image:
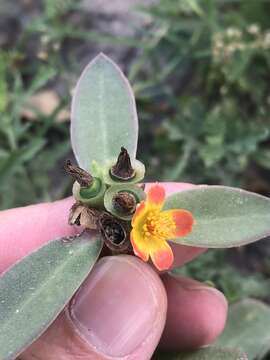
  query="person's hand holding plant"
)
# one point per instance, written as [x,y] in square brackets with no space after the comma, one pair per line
[124,305]
[104,288]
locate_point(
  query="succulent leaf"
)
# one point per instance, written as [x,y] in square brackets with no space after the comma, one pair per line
[37,288]
[224,216]
[103,116]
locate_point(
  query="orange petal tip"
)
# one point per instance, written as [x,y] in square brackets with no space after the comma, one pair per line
[184,221]
[156,195]
[162,258]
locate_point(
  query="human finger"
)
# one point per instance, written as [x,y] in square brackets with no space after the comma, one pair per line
[196,314]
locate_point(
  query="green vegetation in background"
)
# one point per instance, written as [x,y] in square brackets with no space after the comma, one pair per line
[215,268]
[30,149]
[203,91]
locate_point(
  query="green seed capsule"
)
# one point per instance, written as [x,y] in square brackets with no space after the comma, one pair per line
[121,200]
[92,190]
[92,196]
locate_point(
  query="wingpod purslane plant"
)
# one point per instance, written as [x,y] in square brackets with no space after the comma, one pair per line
[114,212]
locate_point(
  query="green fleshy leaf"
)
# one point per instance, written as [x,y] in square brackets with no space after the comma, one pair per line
[224,216]
[36,289]
[211,353]
[248,328]
[103,116]
[138,193]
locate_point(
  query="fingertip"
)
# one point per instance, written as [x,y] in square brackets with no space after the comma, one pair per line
[26,228]
[196,314]
[184,254]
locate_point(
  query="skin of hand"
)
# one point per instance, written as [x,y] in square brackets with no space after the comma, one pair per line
[124,309]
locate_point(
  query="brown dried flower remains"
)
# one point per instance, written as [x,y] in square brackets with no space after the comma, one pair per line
[84,216]
[80,175]
[124,202]
[114,233]
[123,169]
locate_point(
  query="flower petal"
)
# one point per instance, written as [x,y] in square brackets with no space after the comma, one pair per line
[162,256]
[183,220]
[139,211]
[140,249]
[156,195]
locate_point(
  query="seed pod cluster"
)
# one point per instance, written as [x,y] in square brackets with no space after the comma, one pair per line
[106,207]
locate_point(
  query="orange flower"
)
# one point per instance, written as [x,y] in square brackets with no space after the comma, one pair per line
[152,227]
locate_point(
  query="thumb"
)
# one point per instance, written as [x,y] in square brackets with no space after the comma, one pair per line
[118,313]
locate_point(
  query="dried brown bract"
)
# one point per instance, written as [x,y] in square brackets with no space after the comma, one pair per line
[80,175]
[114,233]
[124,202]
[84,216]
[123,169]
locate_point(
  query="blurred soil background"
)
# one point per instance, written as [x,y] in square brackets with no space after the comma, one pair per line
[200,71]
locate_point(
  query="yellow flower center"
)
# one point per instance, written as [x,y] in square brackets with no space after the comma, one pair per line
[158,225]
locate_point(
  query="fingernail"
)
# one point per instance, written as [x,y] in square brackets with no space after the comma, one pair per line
[212,290]
[115,309]
[192,285]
